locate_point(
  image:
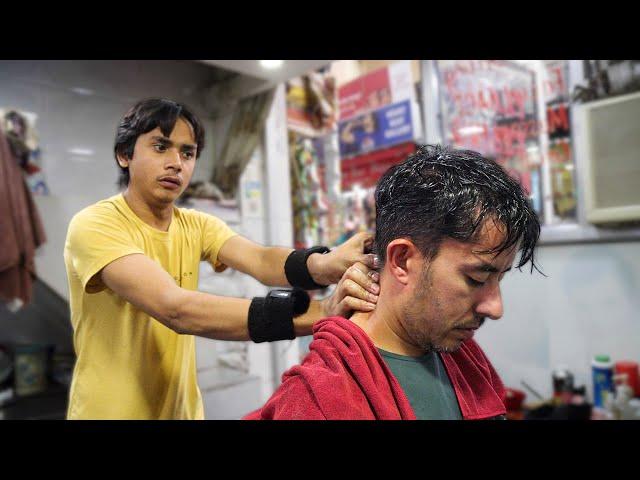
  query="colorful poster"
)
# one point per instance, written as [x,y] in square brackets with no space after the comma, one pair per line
[311,104]
[558,120]
[377,129]
[490,106]
[310,204]
[376,89]
[366,170]
[561,166]
[556,87]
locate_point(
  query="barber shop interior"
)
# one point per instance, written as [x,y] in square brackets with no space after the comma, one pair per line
[320,240]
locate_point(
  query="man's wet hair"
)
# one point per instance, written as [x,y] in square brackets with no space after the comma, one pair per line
[440,192]
[147,115]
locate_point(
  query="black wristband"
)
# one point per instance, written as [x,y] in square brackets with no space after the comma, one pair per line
[297,272]
[271,317]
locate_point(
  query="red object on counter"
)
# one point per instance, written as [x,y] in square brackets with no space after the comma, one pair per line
[514,399]
[633,377]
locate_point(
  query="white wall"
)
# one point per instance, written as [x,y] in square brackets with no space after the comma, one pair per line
[587,305]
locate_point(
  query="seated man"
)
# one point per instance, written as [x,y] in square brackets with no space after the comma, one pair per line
[449,224]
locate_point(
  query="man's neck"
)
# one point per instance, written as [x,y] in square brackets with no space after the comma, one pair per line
[386,332]
[156,216]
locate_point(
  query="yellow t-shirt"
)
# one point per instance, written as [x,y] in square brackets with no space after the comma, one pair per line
[129,365]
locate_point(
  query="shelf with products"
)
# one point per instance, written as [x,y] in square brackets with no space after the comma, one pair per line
[50,404]
[310,205]
[34,381]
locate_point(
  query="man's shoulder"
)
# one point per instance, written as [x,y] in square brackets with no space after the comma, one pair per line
[338,379]
[111,206]
[338,344]
[337,324]
[193,218]
[105,218]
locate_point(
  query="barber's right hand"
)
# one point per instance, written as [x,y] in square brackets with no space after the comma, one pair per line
[357,290]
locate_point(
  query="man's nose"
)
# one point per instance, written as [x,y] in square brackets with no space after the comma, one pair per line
[490,304]
[174,160]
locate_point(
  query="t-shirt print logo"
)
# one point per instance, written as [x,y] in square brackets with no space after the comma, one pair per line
[185,275]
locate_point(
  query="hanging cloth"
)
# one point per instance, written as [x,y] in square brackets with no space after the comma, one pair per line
[21,230]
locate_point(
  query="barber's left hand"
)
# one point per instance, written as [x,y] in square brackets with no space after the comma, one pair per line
[328,268]
[357,290]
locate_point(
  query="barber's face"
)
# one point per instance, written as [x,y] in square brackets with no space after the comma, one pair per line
[457,291]
[161,167]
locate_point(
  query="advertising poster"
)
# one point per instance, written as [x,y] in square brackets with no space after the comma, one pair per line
[311,108]
[376,129]
[366,170]
[376,89]
[490,106]
[556,90]
[378,121]
[309,201]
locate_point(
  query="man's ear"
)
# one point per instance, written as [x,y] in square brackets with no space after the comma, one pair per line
[402,255]
[122,161]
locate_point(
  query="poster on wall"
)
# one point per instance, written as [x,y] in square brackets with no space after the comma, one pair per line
[309,201]
[381,87]
[490,106]
[377,129]
[251,188]
[378,123]
[561,163]
[311,109]
[365,170]
[556,90]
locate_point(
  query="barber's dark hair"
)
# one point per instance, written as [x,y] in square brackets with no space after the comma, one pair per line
[146,115]
[441,192]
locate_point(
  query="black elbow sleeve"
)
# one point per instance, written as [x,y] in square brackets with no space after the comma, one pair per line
[271,317]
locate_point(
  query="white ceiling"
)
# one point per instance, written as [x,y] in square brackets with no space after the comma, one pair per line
[290,68]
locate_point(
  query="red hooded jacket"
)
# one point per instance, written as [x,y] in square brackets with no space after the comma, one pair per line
[344,378]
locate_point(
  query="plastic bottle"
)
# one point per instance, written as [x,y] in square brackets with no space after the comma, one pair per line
[562,384]
[622,410]
[631,369]
[602,369]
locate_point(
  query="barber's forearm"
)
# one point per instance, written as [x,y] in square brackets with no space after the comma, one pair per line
[225,318]
[271,269]
[303,325]
[211,316]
